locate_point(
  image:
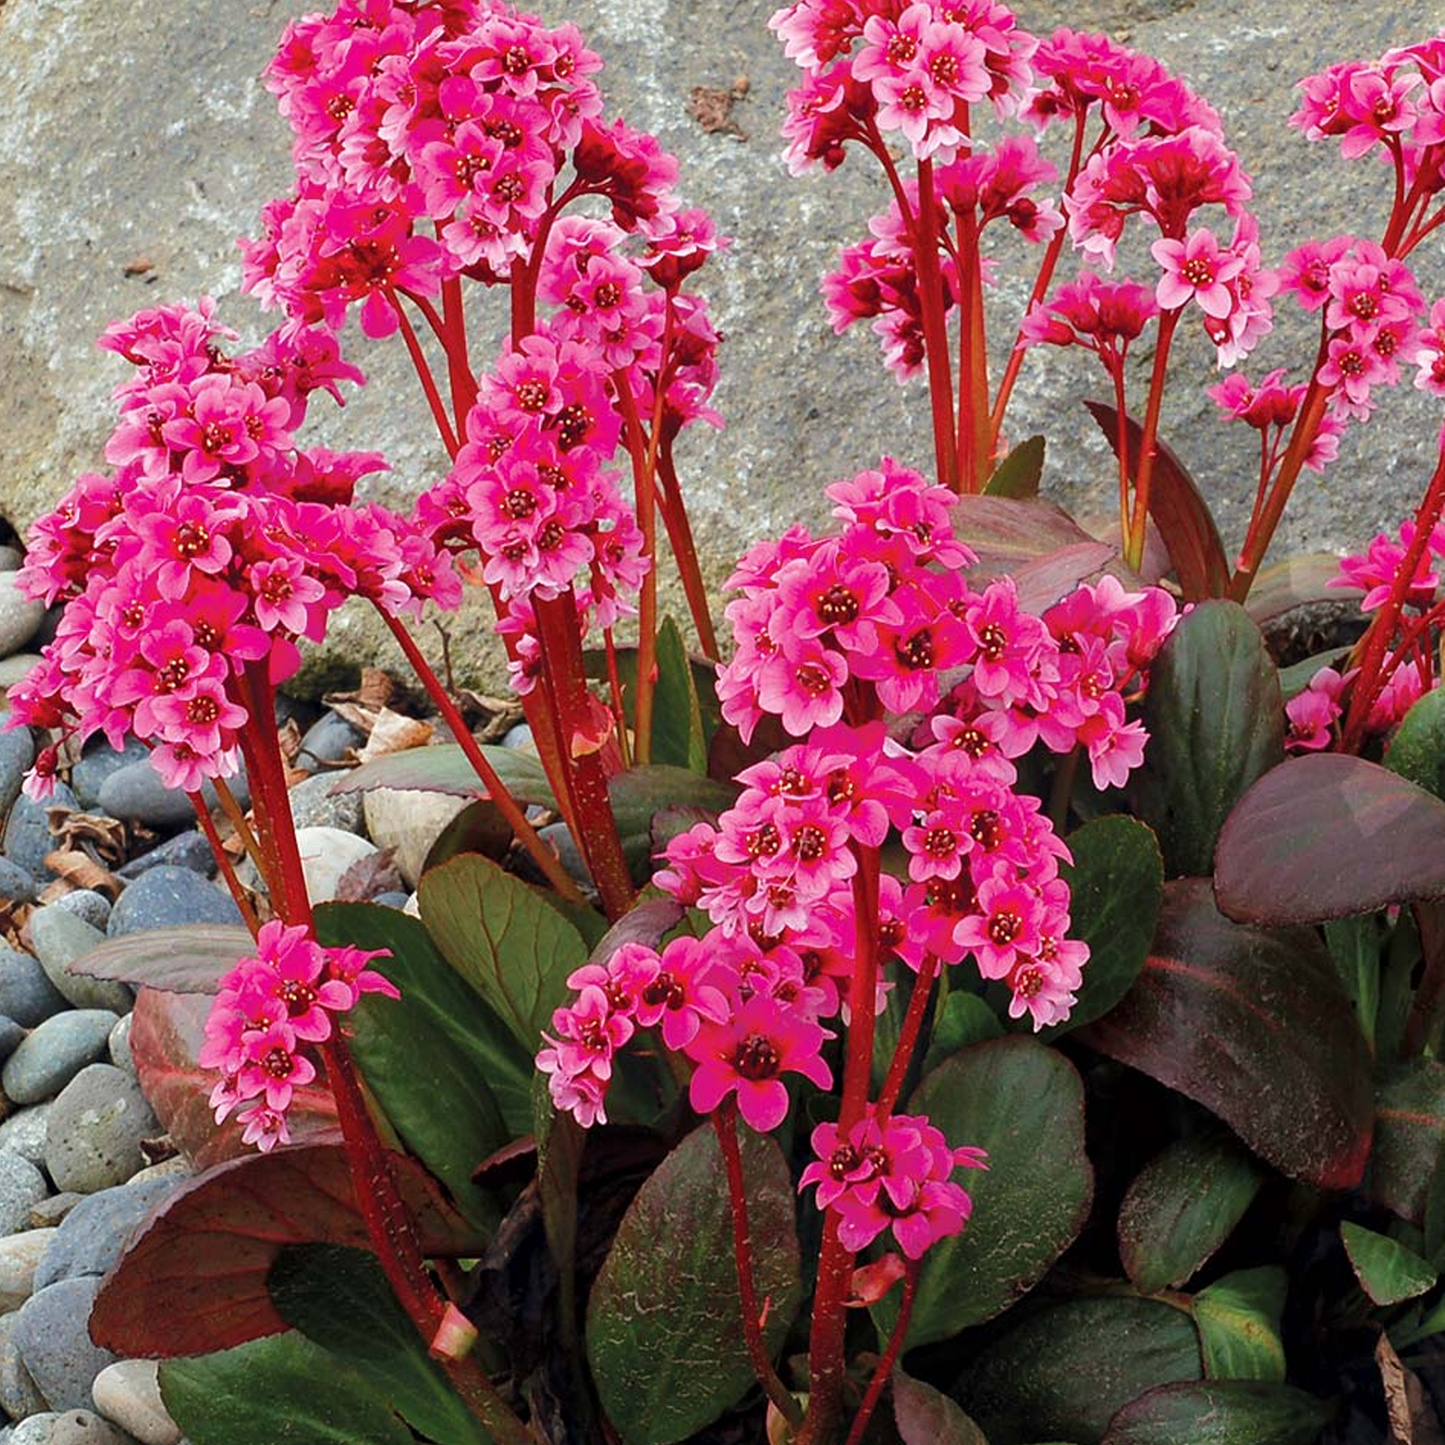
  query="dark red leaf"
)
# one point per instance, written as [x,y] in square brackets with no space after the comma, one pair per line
[1041,583]
[1257,1028]
[1328,836]
[193,1279]
[167,1031]
[1297,582]
[1178,509]
[1006,533]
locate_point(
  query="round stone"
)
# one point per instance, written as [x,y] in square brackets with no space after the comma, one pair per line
[119,1046]
[20,616]
[17,753]
[96,1230]
[86,904]
[68,1427]
[327,740]
[98,762]
[326,853]
[21,1186]
[95,1131]
[16,885]
[166,897]
[24,1132]
[26,994]
[519,736]
[137,794]
[11,1037]
[61,938]
[27,831]
[55,1052]
[185,850]
[314,805]
[53,1337]
[18,1392]
[409,821]
[128,1393]
[19,1256]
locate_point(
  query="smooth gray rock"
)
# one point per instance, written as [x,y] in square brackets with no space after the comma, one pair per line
[10,557]
[61,938]
[20,616]
[409,821]
[118,1046]
[314,805]
[391,900]
[26,994]
[17,753]
[21,1186]
[136,794]
[86,904]
[16,885]
[167,897]
[98,762]
[51,1335]
[128,1393]
[185,850]
[93,1234]
[50,1212]
[69,1427]
[55,1052]
[27,832]
[519,736]
[326,854]
[24,1132]
[327,741]
[19,1256]
[11,1037]
[94,1136]
[559,838]
[19,1394]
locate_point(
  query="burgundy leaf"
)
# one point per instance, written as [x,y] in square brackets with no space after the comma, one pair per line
[1297,582]
[1041,583]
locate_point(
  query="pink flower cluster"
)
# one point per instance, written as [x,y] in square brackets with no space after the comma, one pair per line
[894,1173]
[213,548]
[269,1007]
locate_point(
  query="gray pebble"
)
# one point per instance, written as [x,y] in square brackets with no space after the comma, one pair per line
[54,1342]
[87,904]
[19,1256]
[519,736]
[94,1136]
[570,856]
[314,805]
[392,900]
[21,1186]
[26,994]
[17,668]
[17,753]
[20,616]
[326,741]
[128,1394]
[23,1133]
[11,1037]
[98,762]
[168,897]
[96,1230]
[55,1052]
[16,885]
[185,850]
[27,832]
[61,938]
[18,1392]
[69,1427]
[119,1047]
[136,794]
[11,557]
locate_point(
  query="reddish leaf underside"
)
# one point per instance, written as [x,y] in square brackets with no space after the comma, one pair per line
[194,1277]
[1257,1028]
[179,960]
[1328,836]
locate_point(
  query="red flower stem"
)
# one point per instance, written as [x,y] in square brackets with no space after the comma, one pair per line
[594,826]
[890,1355]
[497,790]
[1115,367]
[428,381]
[1371,679]
[935,328]
[614,686]
[223,862]
[827,1365]
[975,429]
[238,821]
[454,338]
[725,1125]
[679,535]
[879,147]
[645,494]
[1134,543]
[907,1037]
[1041,286]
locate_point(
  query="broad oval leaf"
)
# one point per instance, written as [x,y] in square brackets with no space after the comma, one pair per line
[504,939]
[194,1277]
[445,769]
[1387,1270]
[964,1019]
[339,1298]
[1005,533]
[447,1073]
[664,1333]
[279,1391]
[1239,1325]
[178,960]
[1417,751]
[1220,1412]
[1216,723]
[1329,836]
[1182,1206]
[1065,1371]
[1256,1027]
[1043,582]
[1019,473]
[639,794]
[1007,1096]
[925,1416]
[167,1031]
[1116,885]
[1297,582]
[1409,1137]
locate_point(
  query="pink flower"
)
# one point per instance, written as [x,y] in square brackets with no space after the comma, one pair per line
[1313,712]
[1007,924]
[1196,269]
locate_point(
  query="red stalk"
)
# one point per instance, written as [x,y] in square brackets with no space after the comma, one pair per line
[907,1037]
[223,862]
[935,329]
[428,381]
[890,1355]
[1134,543]
[645,494]
[679,535]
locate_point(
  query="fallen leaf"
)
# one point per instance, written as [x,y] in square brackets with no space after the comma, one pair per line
[394,732]
[77,870]
[364,879]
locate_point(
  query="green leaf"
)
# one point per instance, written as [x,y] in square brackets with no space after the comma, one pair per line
[640,793]
[283,1390]
[1296,677]
[504,939]
[1019,473]
[677,735]
[664,1332]
[1387,1271]
[1216,723]
[1220,1412]
[1409,1137]
[925,1416]
[1116,885]
[963,1020]
[439,1061]
[1005,1096]
[339,1299]
[1068,1368]
[1239,1325]
[445,769]
[1417,751]
[1182,1206]
[478,828]
[1354,944]
[1256,1027]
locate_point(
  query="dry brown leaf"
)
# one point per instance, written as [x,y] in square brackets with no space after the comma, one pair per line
[713,110]
[1411,1414]
[394,732]
[376,873]
[378,689]
[289,736]
[363,719]
[76,870]
[103,839]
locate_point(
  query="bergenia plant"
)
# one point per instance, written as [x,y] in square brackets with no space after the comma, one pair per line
[956,928]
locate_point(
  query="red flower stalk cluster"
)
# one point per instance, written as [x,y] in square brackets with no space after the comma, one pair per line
[267,1009]
[212,549]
